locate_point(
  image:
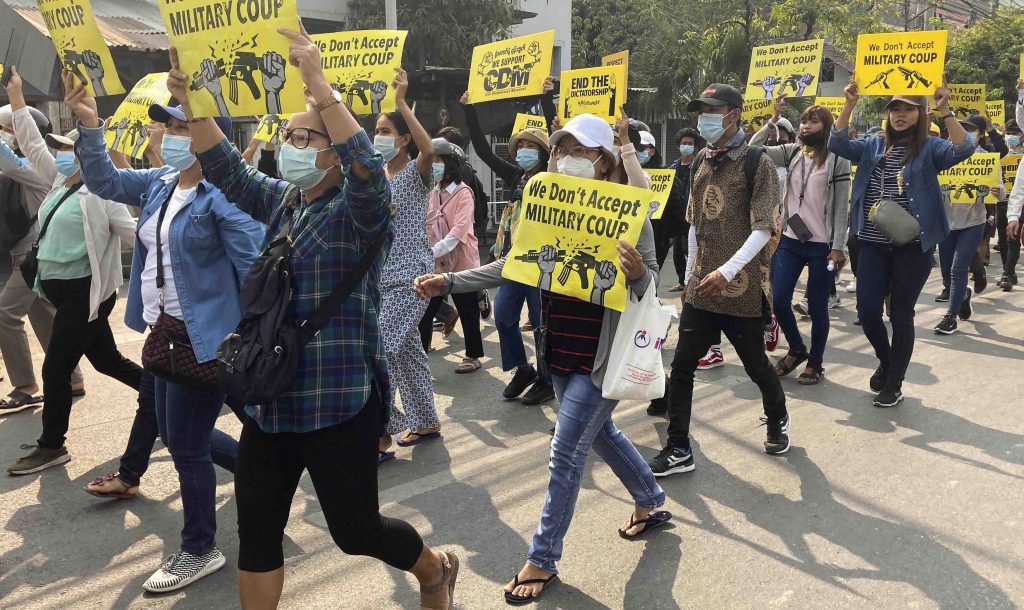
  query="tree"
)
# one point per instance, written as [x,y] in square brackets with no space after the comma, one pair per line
[989,52]
[441,32]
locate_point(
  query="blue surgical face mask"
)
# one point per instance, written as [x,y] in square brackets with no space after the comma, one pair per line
[385,145]
[643,156]
[710,127]
[437,169]
[527,158]
[298,166]
[176,152]
[1013,141]
[972,138]
[67,163]
[686,150]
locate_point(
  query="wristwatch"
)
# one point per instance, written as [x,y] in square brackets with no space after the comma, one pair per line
[946,117]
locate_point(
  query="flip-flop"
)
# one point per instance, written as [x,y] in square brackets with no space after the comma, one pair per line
[115,495]
[384,456]
[782,369]
[19,400]
[78,393]
[419,438]
[653,520]
[519,600]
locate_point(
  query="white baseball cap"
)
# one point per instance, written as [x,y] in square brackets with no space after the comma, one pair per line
[589,130]
[647,139]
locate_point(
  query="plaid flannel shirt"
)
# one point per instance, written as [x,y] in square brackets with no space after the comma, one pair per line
[341,365]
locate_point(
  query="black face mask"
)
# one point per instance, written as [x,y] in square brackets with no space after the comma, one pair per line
[812,139]
[904,133]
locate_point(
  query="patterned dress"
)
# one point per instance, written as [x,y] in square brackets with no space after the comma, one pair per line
[401,310]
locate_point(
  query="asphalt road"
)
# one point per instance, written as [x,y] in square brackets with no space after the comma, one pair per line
[913,507]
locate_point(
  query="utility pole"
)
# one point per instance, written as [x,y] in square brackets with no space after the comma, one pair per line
[391,14]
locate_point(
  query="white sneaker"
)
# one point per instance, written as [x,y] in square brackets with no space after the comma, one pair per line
[182,569]
[852,286]
[834,302]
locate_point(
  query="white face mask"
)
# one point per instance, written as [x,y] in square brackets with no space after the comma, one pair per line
[579,168]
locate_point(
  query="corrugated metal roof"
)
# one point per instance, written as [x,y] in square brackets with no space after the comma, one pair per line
[144,30]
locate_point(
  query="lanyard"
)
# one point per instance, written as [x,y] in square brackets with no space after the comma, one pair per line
[805,178]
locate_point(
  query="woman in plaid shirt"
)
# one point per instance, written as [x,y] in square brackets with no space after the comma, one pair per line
[336,196]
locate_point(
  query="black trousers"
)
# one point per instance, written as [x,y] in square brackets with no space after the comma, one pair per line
[1009,249]
[853,245]
[75,336]
[342,463]
[469,318]
[698,331]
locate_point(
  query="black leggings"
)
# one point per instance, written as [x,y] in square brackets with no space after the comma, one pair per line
[469,318]
[342,463]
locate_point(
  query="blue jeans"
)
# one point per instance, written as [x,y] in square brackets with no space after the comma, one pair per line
[955,255]
[508,308]
[585,420]
[790,260]
[900,272]
[186,418]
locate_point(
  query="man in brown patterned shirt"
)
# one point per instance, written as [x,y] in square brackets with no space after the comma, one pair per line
[730,226]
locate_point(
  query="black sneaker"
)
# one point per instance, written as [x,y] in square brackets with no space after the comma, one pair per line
[672,460]
[943,296]
[658,407]
[965,308]
[1006,283]
[524,377]
[483,300]
[888,397]
[777,442]
[539,393]
[980,283]
[947,326]
[879,378]
[1003,279]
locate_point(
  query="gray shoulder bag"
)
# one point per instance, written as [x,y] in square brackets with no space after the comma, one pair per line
[892,219]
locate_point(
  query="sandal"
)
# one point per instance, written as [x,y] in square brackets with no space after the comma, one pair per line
[80,392]
[449,324]
[809,377]
[19,400]
[415,438]
[518,600]
[653,520]
[450,565]
[101,488]
[469,365]
[384,456]
[782,369]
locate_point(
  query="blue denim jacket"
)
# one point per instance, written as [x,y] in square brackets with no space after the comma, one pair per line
[920,179]
[213,244]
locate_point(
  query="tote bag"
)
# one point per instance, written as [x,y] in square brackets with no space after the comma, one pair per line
[635,370]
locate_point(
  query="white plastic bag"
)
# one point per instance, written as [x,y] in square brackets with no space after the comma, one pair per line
[635,370]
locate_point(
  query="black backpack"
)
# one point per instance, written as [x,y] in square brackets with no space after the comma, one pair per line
[750,163]
[15,223]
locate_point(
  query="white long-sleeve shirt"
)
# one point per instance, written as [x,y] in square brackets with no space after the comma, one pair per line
[36,172]
[1016,201]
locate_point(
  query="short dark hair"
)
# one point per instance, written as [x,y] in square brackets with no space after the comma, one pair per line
[687,132]
[1011,125]
[453,135]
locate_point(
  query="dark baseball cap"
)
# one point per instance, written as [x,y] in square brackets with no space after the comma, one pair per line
[163,114]
[976,121]
[717,94]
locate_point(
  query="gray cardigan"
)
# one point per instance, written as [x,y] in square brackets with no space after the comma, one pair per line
[837,199]
[489,276]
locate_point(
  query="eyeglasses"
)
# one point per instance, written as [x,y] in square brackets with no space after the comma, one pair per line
[298,137]
[577,151]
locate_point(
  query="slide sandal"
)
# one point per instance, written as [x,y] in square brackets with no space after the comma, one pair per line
[653,520]
[384,456]
[417,438]
[518,600]
[18,400]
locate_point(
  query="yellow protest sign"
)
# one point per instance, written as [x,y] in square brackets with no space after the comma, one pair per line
[661,186]
[515,67]
[568,232]
[234,44]
[81,49]
[1021,76]
[965,100]
[617,59]
[525,121]
[1010,166]
[834,105]
[972,180]
[598,91]
[361,66]
[756,113]
[997,112]
[269,125]
[900,63]
[790,69]
[126,131]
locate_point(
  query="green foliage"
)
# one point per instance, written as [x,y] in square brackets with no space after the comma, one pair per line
[441,32]
[989,52]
